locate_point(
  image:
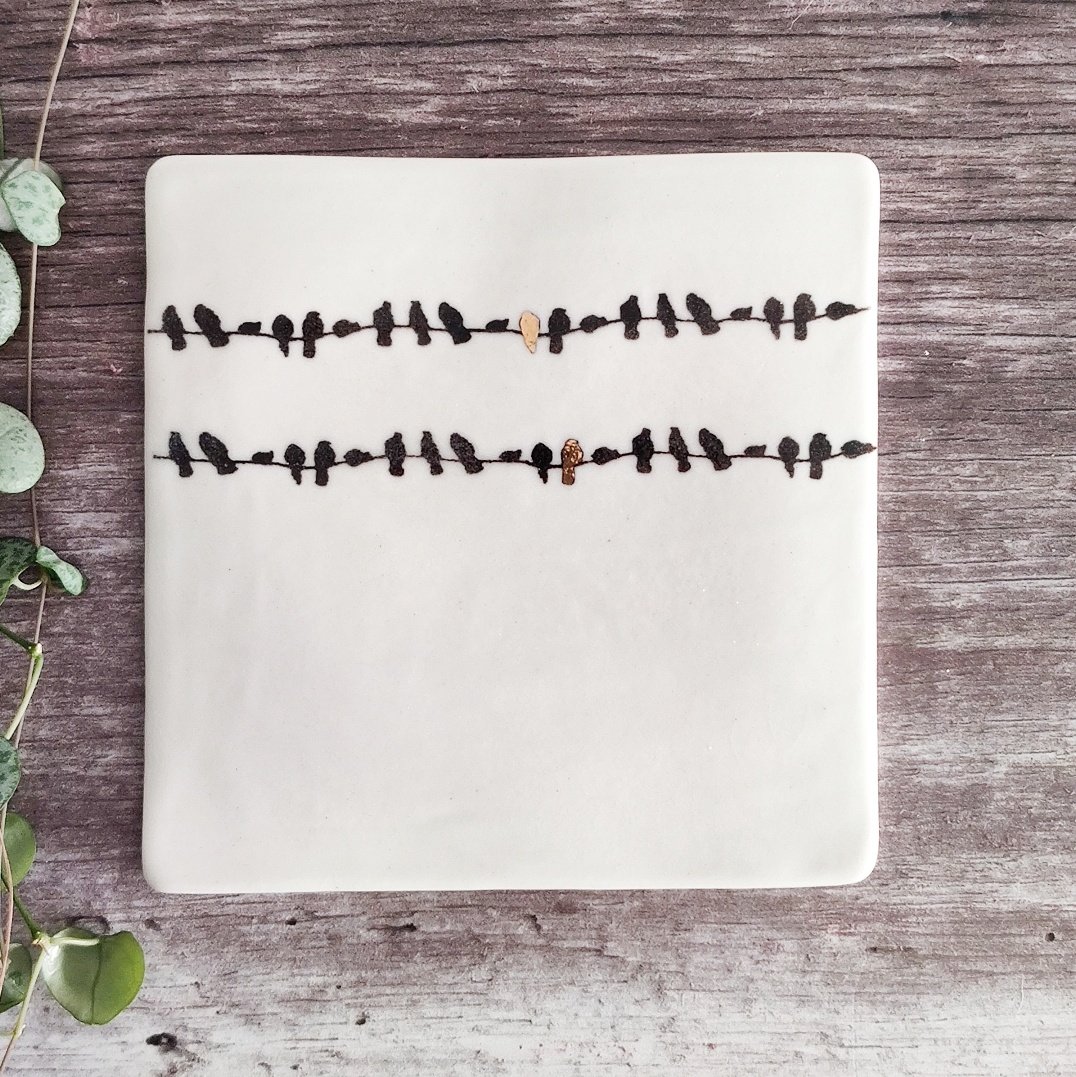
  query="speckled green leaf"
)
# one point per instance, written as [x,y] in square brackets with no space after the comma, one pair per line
[61,572]
[16,556]
[10,297]
[22,456]
[10,770]
[17,979]
[34,203]
[11,166]
[94,983]
[21,846]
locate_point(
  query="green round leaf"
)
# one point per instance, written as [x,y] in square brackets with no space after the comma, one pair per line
[62,573]
[34,203]
[17,979]
[11,166]
[22,456]
[10,770]
[16,556]
[94,983]
[21,846]
[10,297]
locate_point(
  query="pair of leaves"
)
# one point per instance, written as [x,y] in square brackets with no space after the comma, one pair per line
[21,850]
[94,977]
[22,454]
[32,200]
[31,197]
[30,203]
[17,555]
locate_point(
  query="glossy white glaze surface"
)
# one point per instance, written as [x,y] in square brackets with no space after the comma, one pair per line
[479,680]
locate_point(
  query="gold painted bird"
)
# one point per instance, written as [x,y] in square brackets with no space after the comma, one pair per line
[570,456]
[530,325]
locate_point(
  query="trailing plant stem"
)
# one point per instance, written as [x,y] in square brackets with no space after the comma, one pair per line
[32,647]
[32,299]
[9,906]
[32,306]
[25,644]
[37,661]
[27,919]
[16,1032]
[16,582]
[68,27]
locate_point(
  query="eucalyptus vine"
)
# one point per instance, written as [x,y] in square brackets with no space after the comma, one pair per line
[92,976]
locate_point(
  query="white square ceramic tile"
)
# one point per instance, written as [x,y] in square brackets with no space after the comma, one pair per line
[389,645]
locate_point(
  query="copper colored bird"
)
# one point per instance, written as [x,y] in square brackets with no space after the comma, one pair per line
[570,456]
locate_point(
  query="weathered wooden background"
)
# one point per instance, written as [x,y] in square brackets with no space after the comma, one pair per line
[958,955]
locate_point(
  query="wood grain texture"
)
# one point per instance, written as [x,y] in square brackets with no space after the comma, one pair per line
[957,956]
